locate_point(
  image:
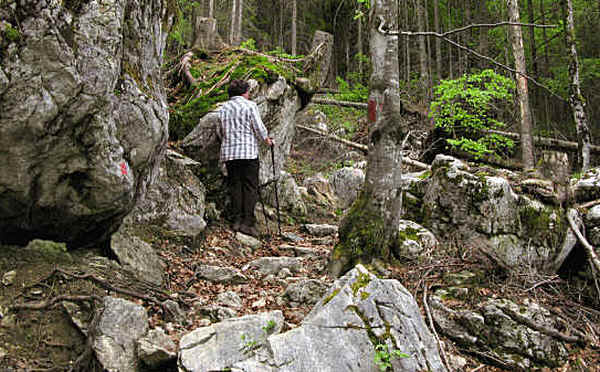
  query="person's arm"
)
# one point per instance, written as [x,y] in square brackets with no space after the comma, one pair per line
[259,127]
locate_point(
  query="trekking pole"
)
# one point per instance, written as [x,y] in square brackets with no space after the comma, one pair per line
[276,193]
[262,203]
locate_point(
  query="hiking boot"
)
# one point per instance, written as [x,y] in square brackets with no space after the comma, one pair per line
[249,230]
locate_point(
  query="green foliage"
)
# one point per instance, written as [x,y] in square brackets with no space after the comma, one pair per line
[465,107]
[383,356]
[187,110]
[249,44]
[353,93]
[11,34]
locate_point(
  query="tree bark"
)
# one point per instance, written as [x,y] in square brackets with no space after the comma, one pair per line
[281,16]
[422,50]
[522,91]
[359,46]
[294,26]
[576,99]
[370,228]
[234,5]
[211,8]
[438,41]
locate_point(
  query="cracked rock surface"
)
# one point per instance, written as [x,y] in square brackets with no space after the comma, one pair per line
[83,116]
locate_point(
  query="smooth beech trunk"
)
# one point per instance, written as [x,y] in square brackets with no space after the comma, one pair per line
[522,90]
[576,99]
[370,228]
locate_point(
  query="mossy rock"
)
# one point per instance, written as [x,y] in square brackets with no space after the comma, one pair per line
[49,250]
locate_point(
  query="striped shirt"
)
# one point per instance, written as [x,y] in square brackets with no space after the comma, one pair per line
[240,130]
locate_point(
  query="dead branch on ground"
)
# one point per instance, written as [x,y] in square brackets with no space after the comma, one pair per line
[50,303]
[588,247]
[325,101]
[185,66]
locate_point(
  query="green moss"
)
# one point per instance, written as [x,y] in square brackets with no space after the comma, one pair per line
[543,225]
[407,234]
[425,175]
[11,34]
[362,235]
[364,295]
[327,299]
[362,281]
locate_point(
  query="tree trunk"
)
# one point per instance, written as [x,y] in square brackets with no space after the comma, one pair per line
[522,90]
[438,41]
[211,8]
[576,99]
[370,228]
[281,16]
[359,46]
[422,50]
[294,25]
[484,17]
[450,25]
[407,42]
[234,5]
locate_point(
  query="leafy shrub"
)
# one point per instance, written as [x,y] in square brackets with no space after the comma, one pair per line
[466,107]
[353,93]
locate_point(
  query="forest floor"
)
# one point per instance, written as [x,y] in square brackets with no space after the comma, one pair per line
[45,338]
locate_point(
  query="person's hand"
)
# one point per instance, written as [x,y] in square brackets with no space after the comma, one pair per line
[269,141]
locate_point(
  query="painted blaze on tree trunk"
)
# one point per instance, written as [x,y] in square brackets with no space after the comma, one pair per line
[370,228]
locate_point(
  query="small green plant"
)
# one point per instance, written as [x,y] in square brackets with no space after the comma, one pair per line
[383,356]
[270,326]
[249,44]
[12,34]
[248,343]
[467,108]
[355,92]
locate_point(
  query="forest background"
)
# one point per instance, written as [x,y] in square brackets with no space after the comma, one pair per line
[288,26]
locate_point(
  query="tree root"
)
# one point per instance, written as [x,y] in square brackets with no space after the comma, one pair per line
[54,301]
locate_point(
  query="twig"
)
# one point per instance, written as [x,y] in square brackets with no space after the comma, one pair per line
[478,368]
[325,101]
[473,52]
[589,204]
[579,339]
[221,82]
[46,304]
[109,286]
[542,283]
[588,247]
[432,326]
[334,137]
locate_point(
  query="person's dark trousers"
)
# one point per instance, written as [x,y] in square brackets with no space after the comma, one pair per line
[243,189]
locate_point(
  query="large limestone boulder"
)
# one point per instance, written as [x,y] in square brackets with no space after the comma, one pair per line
[137,256]
[118,326]
[176,201]
[358,313]
[485,212]
[83,116]
[346,184]
[221,345]
[503,329]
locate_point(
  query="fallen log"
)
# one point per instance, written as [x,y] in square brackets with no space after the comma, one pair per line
[326,101]
[588,247]
[546,141]
[363,148]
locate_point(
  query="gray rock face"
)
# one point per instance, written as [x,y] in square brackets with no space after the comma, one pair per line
[338,334]
[588,187]
[304,292]
[413,240]
[137,255]
[156,348]
[516,230]
[176,200]
[83,117]
[495,325]
[290,198]
[119,324]
[321,230]
[221,345]
[220,274]
[346,184]
[319,187]
[272,265]
[278,104]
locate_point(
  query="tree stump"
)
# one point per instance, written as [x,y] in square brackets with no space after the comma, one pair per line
[206,36]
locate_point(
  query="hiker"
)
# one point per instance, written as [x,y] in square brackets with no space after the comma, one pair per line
[241,129]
